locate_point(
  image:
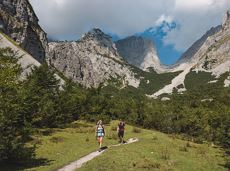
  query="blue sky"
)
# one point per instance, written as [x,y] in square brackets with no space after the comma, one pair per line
[173,24]
[166,52]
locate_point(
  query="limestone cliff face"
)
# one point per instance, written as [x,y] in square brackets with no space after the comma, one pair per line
[212,50]
[139,51]
[18,20]
[211,54]
[91,60]
[214,54]
[187,56]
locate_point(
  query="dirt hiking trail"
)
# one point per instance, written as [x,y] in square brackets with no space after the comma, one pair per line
[78,163]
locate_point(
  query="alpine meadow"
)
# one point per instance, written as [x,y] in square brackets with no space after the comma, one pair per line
[55,93]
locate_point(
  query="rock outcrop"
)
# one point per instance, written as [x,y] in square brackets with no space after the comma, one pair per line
[26,61]
[188,55]
[140,52]
[215,51]
[18,21]
[211,54]
[91,60]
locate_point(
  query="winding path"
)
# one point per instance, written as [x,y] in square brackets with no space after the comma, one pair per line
[78,163]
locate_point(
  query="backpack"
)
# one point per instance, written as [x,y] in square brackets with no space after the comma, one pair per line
[121,126]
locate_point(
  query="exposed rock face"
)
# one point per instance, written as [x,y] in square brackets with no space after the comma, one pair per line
[26,61]
[91,60]
[18,20]
[139,51]
[187,56]
[215,51]
[211,53]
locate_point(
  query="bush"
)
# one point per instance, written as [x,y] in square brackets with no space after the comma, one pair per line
[183,148]
[113,128]
[57,139]
[112,136]
[165,154]
[136,130]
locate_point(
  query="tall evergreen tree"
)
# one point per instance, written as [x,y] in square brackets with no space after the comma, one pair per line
[14,127]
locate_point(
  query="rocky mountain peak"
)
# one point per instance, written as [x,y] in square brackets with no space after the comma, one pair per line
[139,51]
[91,60]
[18,21]
[96,33]
[98,37]
[226,20]
[100,43]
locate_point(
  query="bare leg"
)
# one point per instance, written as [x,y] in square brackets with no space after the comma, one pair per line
[100,139]
[120,139]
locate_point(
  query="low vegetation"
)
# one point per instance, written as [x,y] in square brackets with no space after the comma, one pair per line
[57,147]
[38,104]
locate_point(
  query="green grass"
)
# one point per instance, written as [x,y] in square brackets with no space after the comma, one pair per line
[154,151]
[158,151]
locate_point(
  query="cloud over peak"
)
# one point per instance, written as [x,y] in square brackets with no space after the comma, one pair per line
[69,19]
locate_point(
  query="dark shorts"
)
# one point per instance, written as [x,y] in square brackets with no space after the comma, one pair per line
[121,134]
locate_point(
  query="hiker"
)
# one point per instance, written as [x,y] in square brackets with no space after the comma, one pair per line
[100,132]
[121,130]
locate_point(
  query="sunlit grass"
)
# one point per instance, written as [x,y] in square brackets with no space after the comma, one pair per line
[154,151]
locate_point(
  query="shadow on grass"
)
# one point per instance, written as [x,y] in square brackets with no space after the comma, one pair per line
[103,148]
[226,156]
[18,166]
[226,165]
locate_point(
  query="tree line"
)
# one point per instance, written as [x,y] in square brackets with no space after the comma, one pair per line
[38,102]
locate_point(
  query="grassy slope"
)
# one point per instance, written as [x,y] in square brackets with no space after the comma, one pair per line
[160,152]
[155,150]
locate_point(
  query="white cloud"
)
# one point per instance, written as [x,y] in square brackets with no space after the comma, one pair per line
[162,19]
[195,18]
[192,4]
[71,18]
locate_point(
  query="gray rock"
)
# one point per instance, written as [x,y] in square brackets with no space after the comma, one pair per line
[139,51]
[18,20]
[187,55]
[216,50]
[91,60]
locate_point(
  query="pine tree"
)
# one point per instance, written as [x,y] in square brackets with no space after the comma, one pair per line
[14,128]
[41,95]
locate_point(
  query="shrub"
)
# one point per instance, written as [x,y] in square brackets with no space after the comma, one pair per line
[113,128]
[57,139]
[136,130]
[183,148]
[112,136]
[147,164]
[165,154]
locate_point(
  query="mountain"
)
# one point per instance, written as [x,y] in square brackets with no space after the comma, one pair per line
[95,59]
[186,56]
[210,54]
[166,52]
[26,60]
[90,61]
[18,21]
[139,51]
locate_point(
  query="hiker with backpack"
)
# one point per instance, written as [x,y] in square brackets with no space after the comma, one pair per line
[121,131]
[100,132]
